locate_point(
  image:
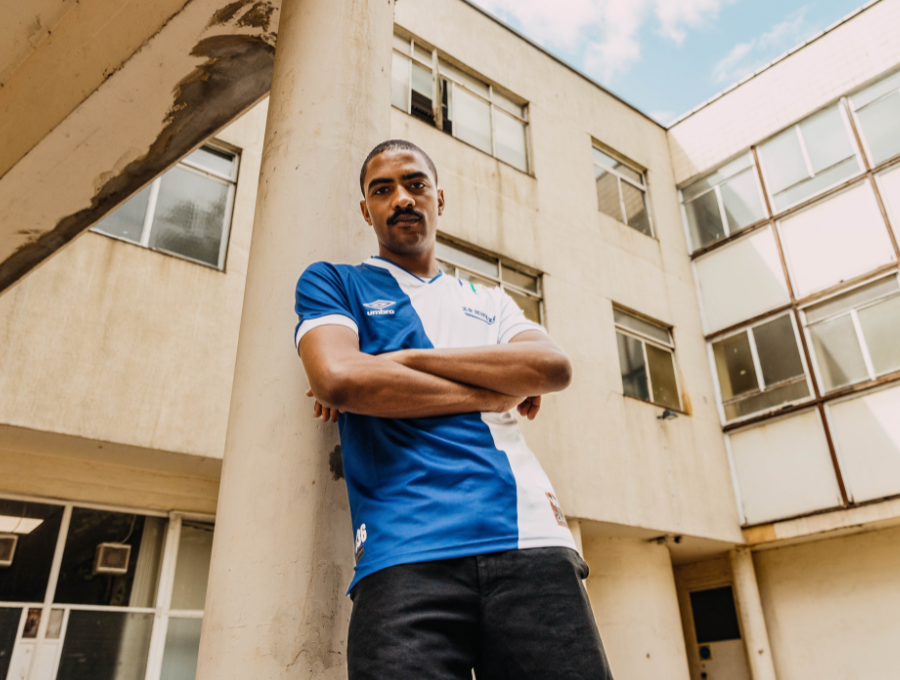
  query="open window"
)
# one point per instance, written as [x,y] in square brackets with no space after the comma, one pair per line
[647,360]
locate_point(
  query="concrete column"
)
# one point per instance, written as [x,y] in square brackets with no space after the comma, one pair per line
[282,554]
[575,528]
[750,611]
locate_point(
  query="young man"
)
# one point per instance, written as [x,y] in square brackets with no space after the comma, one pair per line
[463,556]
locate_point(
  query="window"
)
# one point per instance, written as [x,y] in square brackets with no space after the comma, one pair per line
[128,597]
[184,212]
[808,158]
[723,202]
[760,368]
[621,192]
[646,360]
[477,268]
[889,185]
[854,336]
[839,238]
[438,93]
[877,110]
[741,280]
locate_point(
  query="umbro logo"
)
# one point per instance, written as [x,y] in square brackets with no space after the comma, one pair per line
[379,307]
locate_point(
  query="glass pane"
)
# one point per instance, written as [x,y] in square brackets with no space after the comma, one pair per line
[105,646]
[530,306]
[783,161]
[838,354]
[835,240]
[462,77]
[474,280]
[401,43]
[190,215]
[450,253]
[422,93]
[213,160]
[640,326]
[617,165]
[192,568]
[510,140]
[182,649]
[889,182]
[761,401]
[776,346]
[608,193]
[631,364]
[81,582]
[704,219]
[636,209]
[741,280]
[519,279]
[855,298]
[127,221]
[25,580]
[822,181]
[743,205]
[734,366]
[873,92]
[716,177]
[826,139]
[881,329]
[880,124]
[421,53]
[508,104]
[662,377]
[400,82]
[472,119]
[54,625]
[9,627]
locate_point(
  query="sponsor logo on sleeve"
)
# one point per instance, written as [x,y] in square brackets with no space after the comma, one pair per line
[557,510]
[379,307]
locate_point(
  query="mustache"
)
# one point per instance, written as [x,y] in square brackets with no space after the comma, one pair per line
[409,210]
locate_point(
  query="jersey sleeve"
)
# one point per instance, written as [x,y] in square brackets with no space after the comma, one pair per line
[321,300]
[513,321]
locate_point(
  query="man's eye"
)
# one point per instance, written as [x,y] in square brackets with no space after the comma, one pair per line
[418,185]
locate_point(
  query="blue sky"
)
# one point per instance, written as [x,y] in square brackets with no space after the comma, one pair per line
[668,56]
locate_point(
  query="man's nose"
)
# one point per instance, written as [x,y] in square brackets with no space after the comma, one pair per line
[403,199]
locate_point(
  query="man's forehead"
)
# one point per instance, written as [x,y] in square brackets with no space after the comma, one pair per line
[396,162]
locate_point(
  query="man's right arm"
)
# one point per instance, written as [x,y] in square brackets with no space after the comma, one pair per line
[341,377]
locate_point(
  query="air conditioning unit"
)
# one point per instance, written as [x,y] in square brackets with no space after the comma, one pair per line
[112,558]
[7,548]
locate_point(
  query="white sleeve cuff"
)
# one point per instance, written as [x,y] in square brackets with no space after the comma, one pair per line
[329,320]
[513,331]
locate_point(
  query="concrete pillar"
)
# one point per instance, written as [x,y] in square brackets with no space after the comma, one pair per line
[282,554]
[575,528]
[750,611]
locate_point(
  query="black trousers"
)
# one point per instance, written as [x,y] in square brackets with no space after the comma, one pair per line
[518,614]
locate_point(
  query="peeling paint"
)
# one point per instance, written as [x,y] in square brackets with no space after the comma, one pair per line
[236,73]
[258,16]
[227,13]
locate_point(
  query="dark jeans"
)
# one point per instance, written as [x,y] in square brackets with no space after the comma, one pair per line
[517,614]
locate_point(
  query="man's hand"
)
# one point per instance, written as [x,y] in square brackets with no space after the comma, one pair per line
[530,407]
[323,412]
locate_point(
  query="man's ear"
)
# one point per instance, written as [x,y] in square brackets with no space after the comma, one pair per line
[365,212]
[440,193]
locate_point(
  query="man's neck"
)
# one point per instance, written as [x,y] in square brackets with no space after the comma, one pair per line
[421,264]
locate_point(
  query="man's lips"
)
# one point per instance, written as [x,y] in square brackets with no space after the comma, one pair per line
[406,219]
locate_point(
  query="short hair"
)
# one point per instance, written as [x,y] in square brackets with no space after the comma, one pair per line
[390,145]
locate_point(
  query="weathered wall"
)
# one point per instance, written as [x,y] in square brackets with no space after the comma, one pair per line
[632,592]
[608,456]
[831,607]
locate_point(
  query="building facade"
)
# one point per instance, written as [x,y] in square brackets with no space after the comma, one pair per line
[728,455]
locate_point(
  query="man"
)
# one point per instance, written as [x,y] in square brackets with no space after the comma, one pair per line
[463,556]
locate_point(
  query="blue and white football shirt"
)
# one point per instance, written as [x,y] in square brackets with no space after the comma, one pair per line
[434,488]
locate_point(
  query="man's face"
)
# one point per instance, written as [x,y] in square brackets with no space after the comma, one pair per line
[402,202]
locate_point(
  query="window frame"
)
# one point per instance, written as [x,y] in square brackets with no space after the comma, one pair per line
[644,188]
[644,339]
[757,366]
[857,328]
[229,180]
[498,279]
[438,74]
[863,141]
[165,581]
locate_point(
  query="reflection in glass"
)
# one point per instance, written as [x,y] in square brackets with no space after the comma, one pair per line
[662,377]
[783,160]
[642,327]
[636,215]
[838,354]
[25,580]
[743,205]
[213,160]
[881,329]
[510,141]
[520,279]
[633,368]
[608,193]
[464,258]
[472,119]
[400,81]
[9,627]
[704,219]
[105,646]
[127,221]
[734,366]
[192,567]
[608,161]
[54,625]
[826,139]
[853,298]
[422,93]
[814,185]
[777,349]
[32,623]
[189,216]
[880,123]
[530,306]
[182,649]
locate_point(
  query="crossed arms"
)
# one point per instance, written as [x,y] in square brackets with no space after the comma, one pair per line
[419,383]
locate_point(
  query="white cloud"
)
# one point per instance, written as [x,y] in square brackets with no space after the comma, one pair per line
[604,34]
[748,56]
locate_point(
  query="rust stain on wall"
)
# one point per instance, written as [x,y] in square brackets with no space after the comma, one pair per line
[258,16]
[236,73]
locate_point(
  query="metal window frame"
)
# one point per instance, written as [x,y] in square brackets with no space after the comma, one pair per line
[161,611]
[644,188]
[644,339]
[858,124]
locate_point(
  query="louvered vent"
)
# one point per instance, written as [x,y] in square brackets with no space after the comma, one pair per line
[7,549]
[112,558]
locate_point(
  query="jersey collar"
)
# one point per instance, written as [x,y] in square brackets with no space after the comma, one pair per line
[398,271]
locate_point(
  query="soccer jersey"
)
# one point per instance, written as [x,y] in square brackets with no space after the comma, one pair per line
[424,489]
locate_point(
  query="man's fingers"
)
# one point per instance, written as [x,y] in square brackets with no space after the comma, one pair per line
[309,392]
